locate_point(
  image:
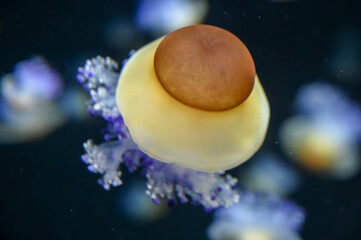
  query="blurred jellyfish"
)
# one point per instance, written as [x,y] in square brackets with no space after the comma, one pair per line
[257,217]
[32,83]
[28,110]
[178,138]
[72,104]
[345,59]
[29,102]
[161,17]
[324,137]
[136,206]
[267,173]
[119,33]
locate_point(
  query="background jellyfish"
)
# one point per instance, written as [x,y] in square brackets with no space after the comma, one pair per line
[120,33]
[268,173]
[345,59]
[324,137]
[28,104]
[164,16]
[257,217]
[135,205]
[152,18]
[34,103]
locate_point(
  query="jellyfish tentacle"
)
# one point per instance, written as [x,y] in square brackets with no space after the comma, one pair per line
[201,187]
[106,159]
[99,76]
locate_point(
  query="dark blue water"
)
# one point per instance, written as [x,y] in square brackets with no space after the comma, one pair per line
[46,191]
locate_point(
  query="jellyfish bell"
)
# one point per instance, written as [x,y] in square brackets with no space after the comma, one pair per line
[193,98]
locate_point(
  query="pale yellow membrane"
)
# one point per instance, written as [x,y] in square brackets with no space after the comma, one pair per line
[173,132]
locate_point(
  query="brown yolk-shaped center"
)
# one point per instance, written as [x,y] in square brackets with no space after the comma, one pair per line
[205,67]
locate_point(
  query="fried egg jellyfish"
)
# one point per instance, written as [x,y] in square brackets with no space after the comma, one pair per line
[33,102]
[324,137]
[161,17]
[268,173]
[99,77]
[28,101]
[135,205]
[196,101]
[190,119]
[257,217]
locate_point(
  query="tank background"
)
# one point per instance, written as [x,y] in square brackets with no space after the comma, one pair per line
[46,192]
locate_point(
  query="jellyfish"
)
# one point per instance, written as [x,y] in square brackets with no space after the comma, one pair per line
[196,100]
[345,56]
[135,205]
[119,33]
[161,17]
[31,84]
[33,102]
[188,106]
[268,173]
[258,217]
[28,107]
[325,134]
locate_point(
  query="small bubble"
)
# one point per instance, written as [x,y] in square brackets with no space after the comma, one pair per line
[227,14]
